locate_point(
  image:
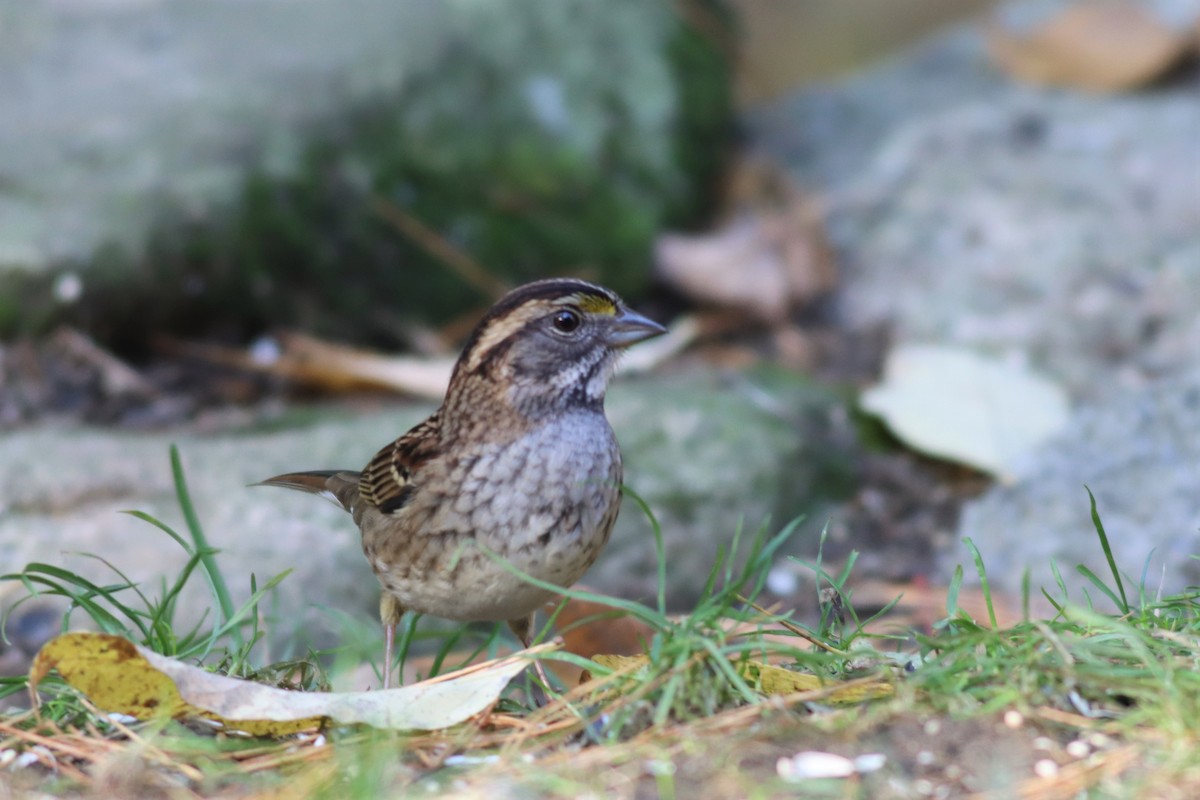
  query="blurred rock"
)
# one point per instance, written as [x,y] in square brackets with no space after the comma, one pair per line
[114,110]
[1139,453]
[1040,226]
[217,165]
[62,491]
[708,455]
[713,455]
[969,209]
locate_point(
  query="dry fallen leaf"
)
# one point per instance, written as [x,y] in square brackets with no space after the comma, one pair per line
[119,676]
[773,680]
[770,256]
[114,375]
[332,367]
[588,628]
[335,367]
[956,404]
[1100,47]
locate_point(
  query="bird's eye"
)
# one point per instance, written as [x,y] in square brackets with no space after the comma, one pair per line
[567,321]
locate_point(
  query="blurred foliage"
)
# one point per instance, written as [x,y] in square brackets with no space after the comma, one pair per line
[555,140]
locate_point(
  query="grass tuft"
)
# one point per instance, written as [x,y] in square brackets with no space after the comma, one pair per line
[226,641]
[1133,677]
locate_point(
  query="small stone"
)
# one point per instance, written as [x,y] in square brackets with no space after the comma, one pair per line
[782,581]
[68,288]
[811,764]
[1078,749]
[869,762]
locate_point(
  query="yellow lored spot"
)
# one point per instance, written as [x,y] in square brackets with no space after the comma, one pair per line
[593,303]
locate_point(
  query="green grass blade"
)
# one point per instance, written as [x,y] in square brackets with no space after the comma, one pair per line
[83,595]
[660,552]
[758,565]
[1108,554]
[636,609]
[983,581]
[105,620]
[156,633]
[735,545]
[1025,589]
[723,665]
[212,572]
[236,619]
[1099,584]
[844,575]
[715,572]
[880,614]
[162,526]
[953,591]
[1143,599]
[447,644]
[1058,580]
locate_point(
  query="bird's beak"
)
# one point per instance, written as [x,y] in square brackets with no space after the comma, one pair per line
[631,328]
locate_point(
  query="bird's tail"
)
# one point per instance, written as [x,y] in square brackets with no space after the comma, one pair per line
[338,486]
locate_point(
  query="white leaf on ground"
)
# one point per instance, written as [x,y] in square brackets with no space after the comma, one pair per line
[431,704]
[814,765]
[122,677]
[956,404]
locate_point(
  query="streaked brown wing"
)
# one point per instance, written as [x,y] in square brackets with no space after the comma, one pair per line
[387,482]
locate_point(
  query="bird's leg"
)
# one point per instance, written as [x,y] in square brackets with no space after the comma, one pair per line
[390,613]
[523,628]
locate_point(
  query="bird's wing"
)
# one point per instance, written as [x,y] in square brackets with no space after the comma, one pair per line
[387,482]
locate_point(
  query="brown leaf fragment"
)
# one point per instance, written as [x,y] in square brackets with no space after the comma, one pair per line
[589,628]
[331,367]
[1098,47]
[114,376]
[769,256]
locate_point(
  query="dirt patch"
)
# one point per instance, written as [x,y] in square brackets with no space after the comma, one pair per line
[899,757]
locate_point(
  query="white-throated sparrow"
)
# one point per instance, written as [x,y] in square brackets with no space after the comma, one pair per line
[519,459]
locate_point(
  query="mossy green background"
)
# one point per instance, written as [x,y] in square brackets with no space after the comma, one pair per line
[555,140]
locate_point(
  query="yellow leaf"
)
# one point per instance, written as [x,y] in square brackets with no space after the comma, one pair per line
[776,680]
[120,676]
[622,663]
[110,671]
[772,680]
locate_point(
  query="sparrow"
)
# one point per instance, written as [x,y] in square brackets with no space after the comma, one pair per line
[518,467]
